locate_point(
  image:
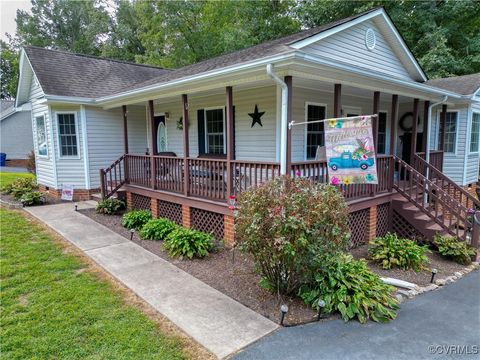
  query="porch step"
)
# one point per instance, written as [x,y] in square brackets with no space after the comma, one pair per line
[119,194]
[417,219]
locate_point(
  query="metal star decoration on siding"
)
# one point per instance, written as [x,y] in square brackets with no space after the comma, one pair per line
[256,116]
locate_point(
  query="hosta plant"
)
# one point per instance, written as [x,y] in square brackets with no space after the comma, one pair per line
[391,251]
[135,219]
[349,287]
[188,243]
[453,249]
[110,206]
[286,223]
[157,229]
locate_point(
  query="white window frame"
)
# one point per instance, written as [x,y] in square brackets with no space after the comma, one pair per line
[224,128]
[347,108]
[44,116]
[437,131]
[75,117]
[471,132]
[387,132]
[305,135]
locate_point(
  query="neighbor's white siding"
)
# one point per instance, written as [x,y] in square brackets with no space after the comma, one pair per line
[453,162]
[257,143]
[44,164]
[16,135]
[105,137]
[348,47]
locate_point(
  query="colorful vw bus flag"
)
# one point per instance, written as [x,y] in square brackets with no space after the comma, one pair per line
[350,151]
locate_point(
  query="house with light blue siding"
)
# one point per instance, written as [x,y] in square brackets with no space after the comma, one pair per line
[185,142]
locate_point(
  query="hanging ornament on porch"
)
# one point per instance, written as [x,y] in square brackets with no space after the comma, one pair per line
[180,123]
[256,116]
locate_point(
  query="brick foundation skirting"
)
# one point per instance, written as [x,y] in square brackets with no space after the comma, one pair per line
[78,194]
[17,162]
[229,231]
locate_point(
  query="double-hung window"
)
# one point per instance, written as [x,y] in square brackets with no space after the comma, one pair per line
[40,126]
[67,134]
[475,133]
[382,133]
[450,132]
[315,131]
[215,135]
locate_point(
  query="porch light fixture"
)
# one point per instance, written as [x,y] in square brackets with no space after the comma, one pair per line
[434,271]
[321,305]
[284,311]
[132,232]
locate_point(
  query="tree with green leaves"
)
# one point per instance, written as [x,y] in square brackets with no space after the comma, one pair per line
[79,26]
[8,70]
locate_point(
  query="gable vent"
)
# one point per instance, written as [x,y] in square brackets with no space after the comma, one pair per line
[370,39]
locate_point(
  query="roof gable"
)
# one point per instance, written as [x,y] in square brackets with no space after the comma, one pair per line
[346,43]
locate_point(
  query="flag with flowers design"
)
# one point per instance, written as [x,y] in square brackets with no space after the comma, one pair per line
[350,151]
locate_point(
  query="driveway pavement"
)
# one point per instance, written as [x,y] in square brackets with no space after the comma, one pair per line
[216,321]
[441,324]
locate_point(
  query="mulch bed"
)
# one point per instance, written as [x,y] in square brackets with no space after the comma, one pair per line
[444,267]
[232,273]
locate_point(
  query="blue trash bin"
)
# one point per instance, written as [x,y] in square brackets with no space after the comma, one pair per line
[3,159]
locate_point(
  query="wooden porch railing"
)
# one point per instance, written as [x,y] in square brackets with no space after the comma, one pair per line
[432,200]
[252,173]
[436,158]
[317,170]
[113,177]
[445,183]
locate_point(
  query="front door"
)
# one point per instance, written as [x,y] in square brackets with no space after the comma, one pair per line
[161,134]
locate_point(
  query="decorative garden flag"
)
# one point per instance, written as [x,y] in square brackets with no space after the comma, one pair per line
[67,192]
[350,151]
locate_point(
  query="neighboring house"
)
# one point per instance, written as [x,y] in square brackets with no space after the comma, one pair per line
[15,132]
[220,126]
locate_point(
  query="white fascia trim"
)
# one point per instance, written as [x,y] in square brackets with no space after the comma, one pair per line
[202,76]
[86,164]
[69,99]
[302,43]
[377,76]
[24,56]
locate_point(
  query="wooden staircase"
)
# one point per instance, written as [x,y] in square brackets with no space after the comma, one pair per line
[428,206]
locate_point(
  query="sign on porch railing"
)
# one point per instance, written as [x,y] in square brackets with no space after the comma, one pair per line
[350,150]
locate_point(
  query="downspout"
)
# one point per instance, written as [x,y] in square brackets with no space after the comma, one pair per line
[283,119]
[427,152]
[427,148]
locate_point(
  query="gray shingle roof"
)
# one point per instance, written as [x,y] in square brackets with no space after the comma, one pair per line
[67,74]
[464,85]
[263,50]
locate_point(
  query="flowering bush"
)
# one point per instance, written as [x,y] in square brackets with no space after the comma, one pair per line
[289,224]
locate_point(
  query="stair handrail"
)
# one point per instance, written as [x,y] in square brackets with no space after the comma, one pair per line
[471,201]
[117,179]
[448,203]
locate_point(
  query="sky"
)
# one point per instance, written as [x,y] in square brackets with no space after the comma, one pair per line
[8,11]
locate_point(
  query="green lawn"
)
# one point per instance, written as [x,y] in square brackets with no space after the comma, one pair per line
[6,178]
[51,309]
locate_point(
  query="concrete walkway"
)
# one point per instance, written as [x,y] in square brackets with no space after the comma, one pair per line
[219,323]
[427,327]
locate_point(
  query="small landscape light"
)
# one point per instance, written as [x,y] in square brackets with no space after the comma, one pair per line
[434,271]
[321,305]
[76,207]
[284,311]
[132,232]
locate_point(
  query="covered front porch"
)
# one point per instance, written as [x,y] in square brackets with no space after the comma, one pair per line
[211,146]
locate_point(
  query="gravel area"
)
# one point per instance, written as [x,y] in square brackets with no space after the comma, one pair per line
[444,267]
[232,273]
